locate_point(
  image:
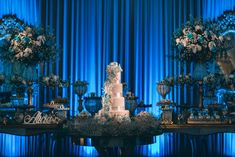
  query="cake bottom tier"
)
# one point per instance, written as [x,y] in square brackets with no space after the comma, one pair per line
[124,113]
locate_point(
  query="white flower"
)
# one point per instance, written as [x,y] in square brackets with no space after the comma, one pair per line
[213,36]
[19,55]
[206,34]
[41,38]
[193,47]
[205,79]
[221,38]
[204,44]
[228,37]
[24,82]
[198,28]
[211,45]
[54,77]
[184,42]
[177,41]
[185,31]
[16,49]
[26,54]
[199,48]
[28,50]
[38,43]
[15,43]
[194,39]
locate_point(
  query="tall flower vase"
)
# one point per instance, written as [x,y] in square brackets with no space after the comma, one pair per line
[199,73]
[80,88]
[29,73]
[2,80]
[80,107]
[200,94]
[163,90]
[167,111]
[30,93]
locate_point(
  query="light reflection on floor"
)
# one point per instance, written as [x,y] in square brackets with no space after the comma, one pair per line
[168,144]
[229,144]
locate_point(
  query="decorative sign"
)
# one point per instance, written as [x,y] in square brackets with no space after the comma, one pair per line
[41,118]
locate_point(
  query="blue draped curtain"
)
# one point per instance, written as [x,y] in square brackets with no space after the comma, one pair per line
[136,33]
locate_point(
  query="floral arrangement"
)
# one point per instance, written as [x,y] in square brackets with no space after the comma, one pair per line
[141,125]
[112,70]
[2,79]
[80,87]
[24,43]
[198,41]
[179,80]
[53,81]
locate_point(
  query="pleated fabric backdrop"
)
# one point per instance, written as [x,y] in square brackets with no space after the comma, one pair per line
[136,33]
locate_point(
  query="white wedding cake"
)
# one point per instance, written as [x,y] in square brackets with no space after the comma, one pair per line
[113,102]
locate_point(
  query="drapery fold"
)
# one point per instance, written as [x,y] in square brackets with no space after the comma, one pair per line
[136,33]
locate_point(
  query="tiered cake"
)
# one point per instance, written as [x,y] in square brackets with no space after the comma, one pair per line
[113,102]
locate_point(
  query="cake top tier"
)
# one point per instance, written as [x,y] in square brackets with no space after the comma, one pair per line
[114,72]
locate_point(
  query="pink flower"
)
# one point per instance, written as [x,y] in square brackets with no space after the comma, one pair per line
[28,50]
[198,28]
[199,48]
[177,41]
[184,42]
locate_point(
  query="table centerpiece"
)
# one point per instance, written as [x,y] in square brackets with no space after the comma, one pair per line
[199,42]
[25,47]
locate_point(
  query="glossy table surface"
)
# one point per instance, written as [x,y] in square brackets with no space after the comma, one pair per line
[175,140]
